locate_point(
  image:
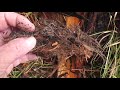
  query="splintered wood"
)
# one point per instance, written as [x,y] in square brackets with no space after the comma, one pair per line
[66,66]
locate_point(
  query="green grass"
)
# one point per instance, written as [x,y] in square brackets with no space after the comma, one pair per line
[110,68]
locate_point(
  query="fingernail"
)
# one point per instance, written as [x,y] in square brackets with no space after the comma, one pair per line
[31,42]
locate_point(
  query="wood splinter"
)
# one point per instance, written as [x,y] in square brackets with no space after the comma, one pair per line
[65,66]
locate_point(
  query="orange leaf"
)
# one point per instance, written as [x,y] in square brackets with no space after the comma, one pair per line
[72,21]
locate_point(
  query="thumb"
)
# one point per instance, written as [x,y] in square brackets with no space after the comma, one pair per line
[15,49]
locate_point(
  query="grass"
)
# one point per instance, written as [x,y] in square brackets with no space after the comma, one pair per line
[33,69]
[110,68]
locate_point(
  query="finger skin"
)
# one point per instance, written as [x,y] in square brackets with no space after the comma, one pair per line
[12,19]
[5,33]
[25,58]
[14,50]
[15,20]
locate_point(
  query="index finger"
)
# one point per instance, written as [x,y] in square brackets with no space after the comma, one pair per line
[19,21]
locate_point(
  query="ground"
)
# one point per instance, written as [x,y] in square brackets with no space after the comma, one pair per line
[57,42]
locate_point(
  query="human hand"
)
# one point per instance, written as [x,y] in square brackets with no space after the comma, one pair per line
[16,51]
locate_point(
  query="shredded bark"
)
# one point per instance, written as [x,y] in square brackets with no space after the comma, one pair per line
[54,39]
